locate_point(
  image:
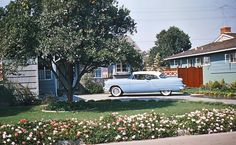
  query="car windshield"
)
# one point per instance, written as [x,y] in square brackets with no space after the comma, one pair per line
[163,76]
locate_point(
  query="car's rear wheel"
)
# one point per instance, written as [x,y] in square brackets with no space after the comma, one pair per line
[166,92]
[116,91]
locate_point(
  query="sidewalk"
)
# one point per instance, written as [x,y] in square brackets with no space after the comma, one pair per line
[209,139]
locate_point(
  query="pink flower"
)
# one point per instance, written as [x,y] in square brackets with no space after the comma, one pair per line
[24,121]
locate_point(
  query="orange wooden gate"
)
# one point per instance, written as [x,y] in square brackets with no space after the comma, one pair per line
[192,77]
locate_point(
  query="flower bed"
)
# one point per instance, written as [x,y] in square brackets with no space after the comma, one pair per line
[114,127]
[218,90]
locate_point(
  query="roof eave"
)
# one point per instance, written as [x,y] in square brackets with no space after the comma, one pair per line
[198,54]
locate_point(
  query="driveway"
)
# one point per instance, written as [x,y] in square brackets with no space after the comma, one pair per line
[157,97]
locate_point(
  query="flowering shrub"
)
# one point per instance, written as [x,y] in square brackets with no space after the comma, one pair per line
[119,128]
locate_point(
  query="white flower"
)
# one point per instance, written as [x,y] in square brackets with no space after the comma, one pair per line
[49,138]
[8,140]
[124,133]
[117,137]
[28,138]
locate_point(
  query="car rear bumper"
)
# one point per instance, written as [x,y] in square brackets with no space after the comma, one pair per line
[182,87]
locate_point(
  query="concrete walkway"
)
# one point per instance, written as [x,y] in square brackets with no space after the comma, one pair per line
[209,139]
[174,96]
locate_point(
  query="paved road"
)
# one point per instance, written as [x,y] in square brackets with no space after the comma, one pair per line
[209,139]
[174,96]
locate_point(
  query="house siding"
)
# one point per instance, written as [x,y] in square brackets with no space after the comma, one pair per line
[219,69]
[27,76]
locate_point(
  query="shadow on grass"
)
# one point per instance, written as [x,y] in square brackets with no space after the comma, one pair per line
[13,110]
[110,105]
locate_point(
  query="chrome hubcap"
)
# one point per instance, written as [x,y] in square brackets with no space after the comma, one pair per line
[116,91]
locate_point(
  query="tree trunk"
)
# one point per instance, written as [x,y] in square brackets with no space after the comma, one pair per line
[69,74]
[69,96]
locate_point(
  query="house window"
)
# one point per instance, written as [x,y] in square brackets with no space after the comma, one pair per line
[180,63]
[226,58]
[198,61]
[98,73]
[121,67]
[45,74]
[206,60]
[232,58]
[118,68]
[124,68]
[190,62]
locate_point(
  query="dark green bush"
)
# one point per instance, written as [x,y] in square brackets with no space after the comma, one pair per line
[216,85]
[232,86]
[16,94]
[6,95]
[94,88]
[91,86]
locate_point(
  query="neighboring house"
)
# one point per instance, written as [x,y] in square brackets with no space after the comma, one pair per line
[118,70]
[217,59]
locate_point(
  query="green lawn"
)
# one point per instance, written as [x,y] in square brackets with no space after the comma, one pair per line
[14,114]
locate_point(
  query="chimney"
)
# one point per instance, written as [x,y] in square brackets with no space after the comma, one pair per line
[225,30]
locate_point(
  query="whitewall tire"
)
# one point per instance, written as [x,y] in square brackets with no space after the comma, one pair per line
[116,91]
[166,92]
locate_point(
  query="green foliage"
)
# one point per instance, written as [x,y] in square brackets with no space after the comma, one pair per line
[94,88]
[6,95]
[157,63]
[91,86]
[15,94]
[69,34]
[232,86]
[216,89]
[48,99]
[169,42]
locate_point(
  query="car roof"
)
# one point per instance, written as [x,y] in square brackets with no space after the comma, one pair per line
[147,72]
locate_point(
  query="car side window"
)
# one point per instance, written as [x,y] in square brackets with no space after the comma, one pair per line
[139,77]
[150,77]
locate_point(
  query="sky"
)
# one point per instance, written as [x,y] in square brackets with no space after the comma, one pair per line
[200,19]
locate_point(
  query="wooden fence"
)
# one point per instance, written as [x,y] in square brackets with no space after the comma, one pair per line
[192,77]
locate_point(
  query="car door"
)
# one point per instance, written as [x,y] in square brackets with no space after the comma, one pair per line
[155,83]
[139,84]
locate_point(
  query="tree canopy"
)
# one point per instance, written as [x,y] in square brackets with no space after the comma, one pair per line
[68,34]
[169,42]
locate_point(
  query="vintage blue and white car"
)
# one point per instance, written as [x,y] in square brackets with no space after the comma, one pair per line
[144,82]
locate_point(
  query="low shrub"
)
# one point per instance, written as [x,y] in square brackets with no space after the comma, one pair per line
[91,86]
[6,95]
[114,127]
[94,88]
[16,94]
[216,90]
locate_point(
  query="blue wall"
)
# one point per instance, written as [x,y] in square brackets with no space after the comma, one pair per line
[219,69]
